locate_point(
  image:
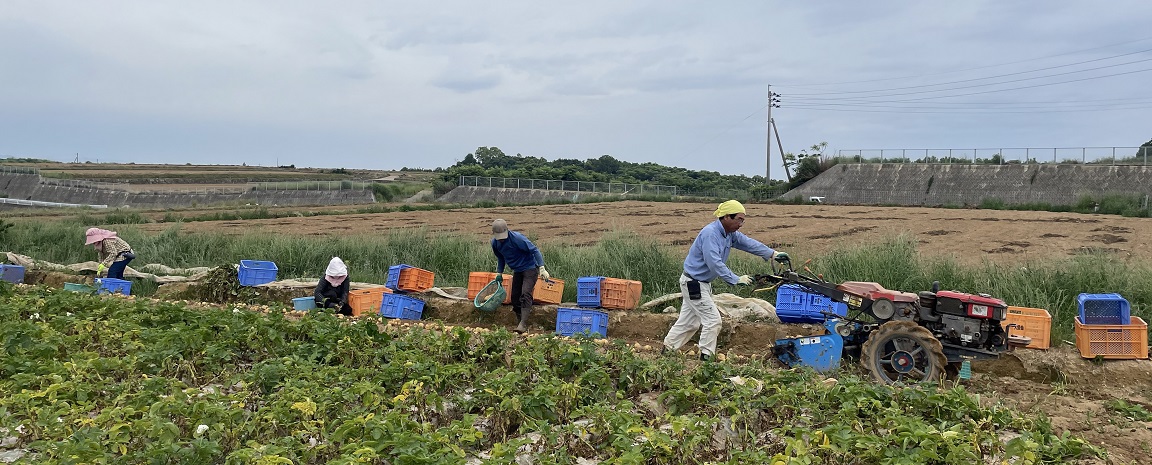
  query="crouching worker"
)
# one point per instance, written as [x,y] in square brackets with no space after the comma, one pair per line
[113,254]
[332,291]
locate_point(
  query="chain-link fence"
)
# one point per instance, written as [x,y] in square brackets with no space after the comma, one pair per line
[1002,156]
[621,188]
[571,186]
[309,186]
[19,170]
[75,183]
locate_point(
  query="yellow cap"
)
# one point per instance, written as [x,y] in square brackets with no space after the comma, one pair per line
[728,208]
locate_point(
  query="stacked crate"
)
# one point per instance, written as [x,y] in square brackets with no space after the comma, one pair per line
[12,273]
[608,293]
[478,279]
[548,291]
[401,306]
[594,293]
[796,305]
[1033,323]
[407,278]
[367,300]
[1106,329]
[402,279]
[113,286]
[256,272]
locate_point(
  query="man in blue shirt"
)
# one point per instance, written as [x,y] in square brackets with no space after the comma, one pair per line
[704,263]
[513,249]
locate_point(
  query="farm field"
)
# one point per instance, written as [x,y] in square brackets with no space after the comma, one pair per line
[969,235]
[1105,403]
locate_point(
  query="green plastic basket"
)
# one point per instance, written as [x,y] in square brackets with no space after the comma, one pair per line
[492,298]
[81,288]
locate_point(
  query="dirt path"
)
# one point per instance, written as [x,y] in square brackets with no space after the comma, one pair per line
[969,235]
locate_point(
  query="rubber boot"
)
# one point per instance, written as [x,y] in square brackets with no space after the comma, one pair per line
[523,326]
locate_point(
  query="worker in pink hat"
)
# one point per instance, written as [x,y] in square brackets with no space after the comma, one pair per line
[112,252]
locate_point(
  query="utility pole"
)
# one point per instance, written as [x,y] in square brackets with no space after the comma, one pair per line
[772,102]
[787,172]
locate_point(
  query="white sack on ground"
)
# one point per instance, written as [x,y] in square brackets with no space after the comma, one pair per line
[730,306]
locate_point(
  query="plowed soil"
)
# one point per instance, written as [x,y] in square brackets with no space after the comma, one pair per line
[968,235]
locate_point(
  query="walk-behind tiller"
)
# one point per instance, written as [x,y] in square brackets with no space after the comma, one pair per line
[897,336]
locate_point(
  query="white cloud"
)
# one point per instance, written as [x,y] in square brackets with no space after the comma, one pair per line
[672,82]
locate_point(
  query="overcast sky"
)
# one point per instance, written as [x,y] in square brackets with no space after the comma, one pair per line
[385,85]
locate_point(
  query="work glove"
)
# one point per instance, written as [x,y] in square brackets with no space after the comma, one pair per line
[744,280]
[100,270]
[780,256]
[544,274]
[499,278]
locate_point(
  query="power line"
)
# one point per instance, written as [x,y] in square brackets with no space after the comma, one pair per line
[935,105]
[865,100]
[997,76]
[1003,82]
[971,69]
[960,111]
[860,101]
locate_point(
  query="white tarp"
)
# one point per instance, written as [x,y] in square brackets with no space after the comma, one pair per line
[729,305]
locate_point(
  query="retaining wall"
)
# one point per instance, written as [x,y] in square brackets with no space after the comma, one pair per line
[30,187]
[943,184]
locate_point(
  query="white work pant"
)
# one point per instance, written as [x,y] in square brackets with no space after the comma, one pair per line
[695,314]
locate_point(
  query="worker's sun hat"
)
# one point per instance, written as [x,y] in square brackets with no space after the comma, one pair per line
[499,229]
[730,207]
[94,235]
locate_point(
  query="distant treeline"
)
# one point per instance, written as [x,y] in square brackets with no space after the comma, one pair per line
[491,161]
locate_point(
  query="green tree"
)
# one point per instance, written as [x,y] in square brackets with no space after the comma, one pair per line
[808,163]
[1145,150]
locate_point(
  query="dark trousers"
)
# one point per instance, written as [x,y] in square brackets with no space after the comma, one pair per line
[523,284]
[116,271]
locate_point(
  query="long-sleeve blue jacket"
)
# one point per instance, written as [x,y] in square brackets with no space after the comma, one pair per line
[517,252]
[709,252]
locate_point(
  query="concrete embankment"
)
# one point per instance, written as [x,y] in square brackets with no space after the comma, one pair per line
[33,187]
[940,184]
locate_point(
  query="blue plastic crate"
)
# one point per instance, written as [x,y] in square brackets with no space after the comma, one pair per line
[113,285]
[304,303]
[402,307]
[394,276]
[12,273]
[1103,309]
[588,291]
[795,305]
[256,272]
[571,321]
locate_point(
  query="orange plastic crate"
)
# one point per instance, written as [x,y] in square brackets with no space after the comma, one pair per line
[415,280]
[367,300]
[548,292]
[1036,323]
[620,294]
[1126,342]
[478,279]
